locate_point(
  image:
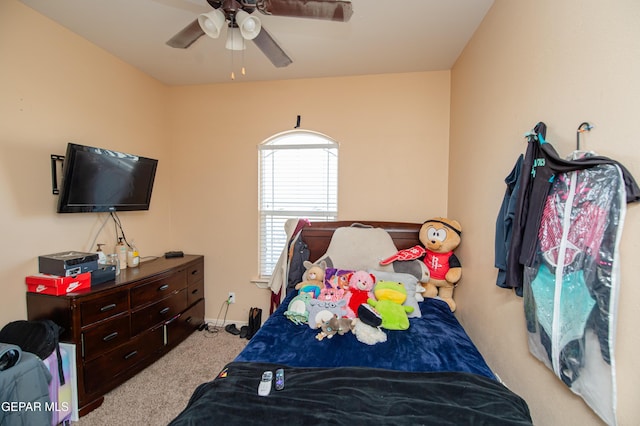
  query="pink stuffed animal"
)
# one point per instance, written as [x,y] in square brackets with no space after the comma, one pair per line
[361,284]
[330,294]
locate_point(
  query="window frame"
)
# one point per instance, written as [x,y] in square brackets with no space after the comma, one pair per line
[273,234]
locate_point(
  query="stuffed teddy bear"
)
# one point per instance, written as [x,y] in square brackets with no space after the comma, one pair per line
[440,237]
[389,304]
[360,286]
[313,278]
[334,326]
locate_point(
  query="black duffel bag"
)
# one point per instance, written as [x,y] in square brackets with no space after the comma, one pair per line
[38,337]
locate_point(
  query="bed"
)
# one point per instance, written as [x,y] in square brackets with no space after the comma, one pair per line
[430,373]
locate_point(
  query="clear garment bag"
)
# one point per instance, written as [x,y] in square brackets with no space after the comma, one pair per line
[571,291]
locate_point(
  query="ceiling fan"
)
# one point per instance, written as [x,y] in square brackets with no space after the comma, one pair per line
[236,14]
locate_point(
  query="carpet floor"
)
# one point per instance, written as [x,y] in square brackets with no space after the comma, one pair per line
[160,392]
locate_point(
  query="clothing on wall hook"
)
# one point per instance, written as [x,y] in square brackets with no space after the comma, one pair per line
[583,127]
[297,123]
[538,133]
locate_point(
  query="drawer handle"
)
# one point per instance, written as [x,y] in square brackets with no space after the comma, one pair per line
[163,287]
[188,320]
[108,307]
[195,272]
[195,291]
[165,310]
[110,336]
[130,355]
[169,321]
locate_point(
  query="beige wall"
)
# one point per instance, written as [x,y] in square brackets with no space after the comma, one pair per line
[561,62]
[56,88]
[391,130]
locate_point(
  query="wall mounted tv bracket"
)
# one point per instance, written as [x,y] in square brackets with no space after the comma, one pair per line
[55,159]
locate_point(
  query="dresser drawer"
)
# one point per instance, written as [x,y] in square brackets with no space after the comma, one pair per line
[158,312]
[195,273]
[104,307]
[105,337]
[195,292]
[104,369]
[185,324]
[157,289]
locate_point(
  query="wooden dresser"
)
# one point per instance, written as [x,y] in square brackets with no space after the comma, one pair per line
[121,327]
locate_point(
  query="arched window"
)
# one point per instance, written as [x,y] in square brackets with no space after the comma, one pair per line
[298,178]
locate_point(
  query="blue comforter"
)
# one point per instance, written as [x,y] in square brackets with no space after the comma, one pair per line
[435,342]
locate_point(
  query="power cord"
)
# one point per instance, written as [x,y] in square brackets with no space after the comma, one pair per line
[118,230]
[214,328]
[118,225]
[93,243]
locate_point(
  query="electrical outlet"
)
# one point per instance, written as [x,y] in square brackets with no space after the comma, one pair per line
[231,298]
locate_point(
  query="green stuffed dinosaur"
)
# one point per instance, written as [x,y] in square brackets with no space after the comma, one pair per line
[389,304]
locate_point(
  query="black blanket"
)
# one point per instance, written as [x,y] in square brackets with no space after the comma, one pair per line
[353,396]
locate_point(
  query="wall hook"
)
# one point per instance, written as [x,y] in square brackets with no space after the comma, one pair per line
[583,127]
[297,123]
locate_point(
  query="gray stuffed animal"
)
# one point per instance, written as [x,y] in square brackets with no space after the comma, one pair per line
[335,326]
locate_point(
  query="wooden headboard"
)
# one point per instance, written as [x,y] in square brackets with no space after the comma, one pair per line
[318,235]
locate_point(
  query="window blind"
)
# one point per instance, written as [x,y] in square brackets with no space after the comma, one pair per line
[298,179]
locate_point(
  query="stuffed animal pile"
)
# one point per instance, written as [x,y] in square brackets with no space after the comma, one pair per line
[339,301]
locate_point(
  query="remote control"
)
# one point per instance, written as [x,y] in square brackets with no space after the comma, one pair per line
[265,384]
[279,379]
[171,254]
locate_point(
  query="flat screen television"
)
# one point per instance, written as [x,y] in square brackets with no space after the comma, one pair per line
[103,180]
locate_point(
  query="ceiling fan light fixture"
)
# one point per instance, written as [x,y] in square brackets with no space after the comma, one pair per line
[235,41]
[212,22]
[249,25]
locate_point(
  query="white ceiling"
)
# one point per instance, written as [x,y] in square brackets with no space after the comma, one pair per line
[383,36]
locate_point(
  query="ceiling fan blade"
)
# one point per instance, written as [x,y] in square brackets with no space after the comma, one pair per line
[271,49]
[187,36]
[333,10]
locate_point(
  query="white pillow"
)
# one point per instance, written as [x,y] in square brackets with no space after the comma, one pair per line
[359,248]
[409,281]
